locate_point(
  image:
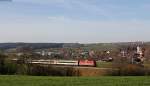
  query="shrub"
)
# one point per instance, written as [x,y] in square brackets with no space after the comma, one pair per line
[132,70]
[22,69]
[40,70]
[9,67]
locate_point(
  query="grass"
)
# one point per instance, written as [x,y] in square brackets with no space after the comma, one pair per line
[104,64]
[74,81]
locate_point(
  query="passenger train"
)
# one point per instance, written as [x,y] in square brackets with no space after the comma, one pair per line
[91,63]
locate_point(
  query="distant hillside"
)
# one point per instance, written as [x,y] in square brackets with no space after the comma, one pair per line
[38,45]
[114,46]
[31,45]
[103,46]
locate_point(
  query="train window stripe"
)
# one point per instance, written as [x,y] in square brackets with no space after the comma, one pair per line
[67,62]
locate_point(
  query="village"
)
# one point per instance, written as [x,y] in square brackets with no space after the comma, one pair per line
[71,54]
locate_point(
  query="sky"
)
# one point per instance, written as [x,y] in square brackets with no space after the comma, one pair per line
[76,21]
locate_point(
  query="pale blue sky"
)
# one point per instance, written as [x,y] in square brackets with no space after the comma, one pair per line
[84,21]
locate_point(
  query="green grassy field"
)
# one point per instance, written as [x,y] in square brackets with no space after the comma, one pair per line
[104,64]
[73,81]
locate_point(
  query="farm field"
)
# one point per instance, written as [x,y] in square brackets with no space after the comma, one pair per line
[8,80]
[104,64]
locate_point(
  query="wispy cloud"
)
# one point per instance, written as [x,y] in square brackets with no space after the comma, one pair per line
[41,1]
[56,18]
[79,7]
[75,20]
[111,10]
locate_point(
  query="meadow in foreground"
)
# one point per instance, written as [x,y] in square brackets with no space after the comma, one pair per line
[8,80]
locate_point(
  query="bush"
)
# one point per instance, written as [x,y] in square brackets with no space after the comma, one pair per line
[132,70]
[39,70]
[6,66]
[9,68]
[22,69]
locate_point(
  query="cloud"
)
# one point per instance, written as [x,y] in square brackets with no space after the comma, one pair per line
[41,1]
[93,9]
[56,18]
[66,23]
[5,0]
[84,6]
[113,10]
